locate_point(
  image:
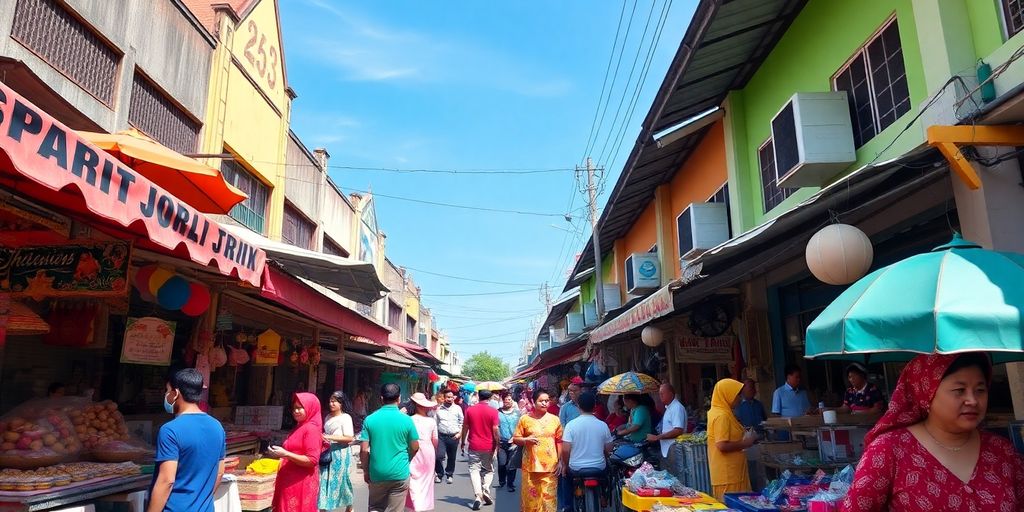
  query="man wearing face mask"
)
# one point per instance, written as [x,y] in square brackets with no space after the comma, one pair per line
[189,450]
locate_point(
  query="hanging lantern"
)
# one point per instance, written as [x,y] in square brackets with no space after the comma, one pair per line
[652,336]
[839,254]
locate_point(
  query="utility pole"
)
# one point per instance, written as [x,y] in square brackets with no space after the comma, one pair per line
[545,297]
[595,240]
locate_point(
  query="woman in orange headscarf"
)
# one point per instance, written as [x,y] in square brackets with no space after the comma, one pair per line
[927,452]
[298,481]
[726,441]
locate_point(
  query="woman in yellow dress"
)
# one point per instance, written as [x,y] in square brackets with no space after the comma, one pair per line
[539,433]
[726,441]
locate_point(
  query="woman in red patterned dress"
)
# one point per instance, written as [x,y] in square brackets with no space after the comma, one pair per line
[927,453]
[298,481]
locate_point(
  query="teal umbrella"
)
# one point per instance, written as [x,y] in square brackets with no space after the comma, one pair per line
[957,298]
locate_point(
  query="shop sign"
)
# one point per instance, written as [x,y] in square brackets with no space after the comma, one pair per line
[74,269]
[697,349]
[49,154]
[268,348]
[148,340]
[657,305]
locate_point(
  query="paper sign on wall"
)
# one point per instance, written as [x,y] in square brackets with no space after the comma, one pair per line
[148,340]
[697,349]
[268,346]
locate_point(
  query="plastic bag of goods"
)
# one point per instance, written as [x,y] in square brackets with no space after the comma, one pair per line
[103,432]
[37,434]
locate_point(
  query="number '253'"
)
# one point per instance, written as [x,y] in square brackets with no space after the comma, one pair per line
[257,52]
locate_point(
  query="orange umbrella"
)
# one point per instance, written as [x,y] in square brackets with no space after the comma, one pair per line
[198,184]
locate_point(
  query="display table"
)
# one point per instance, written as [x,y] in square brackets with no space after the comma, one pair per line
[645,504]
[46,500]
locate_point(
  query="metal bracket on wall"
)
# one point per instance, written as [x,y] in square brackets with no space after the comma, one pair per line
[947,139]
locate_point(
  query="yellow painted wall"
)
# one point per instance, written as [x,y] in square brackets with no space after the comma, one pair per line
[249,108]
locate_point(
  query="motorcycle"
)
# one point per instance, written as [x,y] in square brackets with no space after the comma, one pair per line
[589,489]
[627,457]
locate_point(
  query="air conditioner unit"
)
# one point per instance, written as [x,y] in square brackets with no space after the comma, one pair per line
[643,272]
[702,226]
[574,323]
[612,299]
[590,313]
[813,139]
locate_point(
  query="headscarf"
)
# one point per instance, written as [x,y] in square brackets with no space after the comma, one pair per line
[914,393]
[311,403]
[726,390]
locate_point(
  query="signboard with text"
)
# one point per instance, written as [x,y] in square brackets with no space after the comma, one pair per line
[83,268]
[697,349]
[148,340]
[657,305]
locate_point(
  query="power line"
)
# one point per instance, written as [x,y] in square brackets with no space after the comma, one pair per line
[490,323]
[604,83]
[460,206]
[469,279]
[477,294]
[495,171]
[625,91]
[615,76]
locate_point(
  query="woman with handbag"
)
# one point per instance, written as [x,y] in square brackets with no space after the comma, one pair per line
[336,461]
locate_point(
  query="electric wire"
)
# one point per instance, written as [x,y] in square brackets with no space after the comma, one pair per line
[604,82]
[471,171]
[467,278]
[479,294]
[615,75]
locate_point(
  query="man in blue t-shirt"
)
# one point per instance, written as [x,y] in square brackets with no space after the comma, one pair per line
[189,450]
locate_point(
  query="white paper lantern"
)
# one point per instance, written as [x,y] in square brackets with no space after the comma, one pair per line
[839,254]
[652,336]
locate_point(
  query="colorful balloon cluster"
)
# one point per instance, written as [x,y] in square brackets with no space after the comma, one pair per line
[171,291]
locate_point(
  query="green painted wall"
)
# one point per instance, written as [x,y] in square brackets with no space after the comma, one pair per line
[588,290]
[822,38]
[986,26]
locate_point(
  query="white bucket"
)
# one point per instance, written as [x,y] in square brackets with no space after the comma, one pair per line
[830,417]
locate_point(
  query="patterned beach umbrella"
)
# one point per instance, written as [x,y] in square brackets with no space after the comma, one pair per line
[629,383]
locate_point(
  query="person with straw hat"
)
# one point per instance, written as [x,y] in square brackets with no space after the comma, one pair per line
[421,467]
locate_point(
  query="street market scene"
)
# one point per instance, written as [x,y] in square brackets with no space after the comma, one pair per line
[579,256]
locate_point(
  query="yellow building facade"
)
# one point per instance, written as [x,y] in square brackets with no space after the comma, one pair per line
[248,111]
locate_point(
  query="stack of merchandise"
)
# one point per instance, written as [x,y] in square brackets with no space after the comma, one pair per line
[790,493]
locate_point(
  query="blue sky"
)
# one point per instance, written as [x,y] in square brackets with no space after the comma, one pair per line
[466,85]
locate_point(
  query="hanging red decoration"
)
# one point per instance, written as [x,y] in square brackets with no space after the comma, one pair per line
[431,376]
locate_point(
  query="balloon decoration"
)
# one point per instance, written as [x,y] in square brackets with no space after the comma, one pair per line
[171,291]
[839,254]
[431,376]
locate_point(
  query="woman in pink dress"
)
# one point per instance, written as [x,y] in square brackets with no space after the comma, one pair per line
[421,467]
[298,481]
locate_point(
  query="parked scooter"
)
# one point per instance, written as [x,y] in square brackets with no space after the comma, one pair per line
[590,489]
[626,458]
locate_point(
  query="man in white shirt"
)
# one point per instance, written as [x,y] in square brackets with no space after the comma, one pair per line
[673,423]
[586,440]
[449,428]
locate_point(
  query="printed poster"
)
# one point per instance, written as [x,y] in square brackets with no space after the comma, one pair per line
[148,340]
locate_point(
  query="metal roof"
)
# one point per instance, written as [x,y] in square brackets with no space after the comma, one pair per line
[725,43]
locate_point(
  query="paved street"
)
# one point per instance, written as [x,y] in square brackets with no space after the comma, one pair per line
[456,497]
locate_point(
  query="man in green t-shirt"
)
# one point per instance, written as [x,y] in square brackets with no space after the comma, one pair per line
[389,442]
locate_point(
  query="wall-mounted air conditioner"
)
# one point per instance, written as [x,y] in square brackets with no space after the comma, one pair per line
[590,313]
[702,226]
[574,323]
[813,139]
[643,272]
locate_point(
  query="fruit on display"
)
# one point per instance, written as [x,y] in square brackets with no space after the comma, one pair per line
[97,424]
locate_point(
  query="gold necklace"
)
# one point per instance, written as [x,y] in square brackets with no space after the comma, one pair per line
[953,449]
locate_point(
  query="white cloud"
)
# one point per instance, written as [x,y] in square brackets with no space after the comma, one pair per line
[360,49]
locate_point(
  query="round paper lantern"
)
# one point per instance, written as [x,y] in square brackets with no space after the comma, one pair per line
[652,336]
[839,254]
[198,300]
[174,293]
[157,279]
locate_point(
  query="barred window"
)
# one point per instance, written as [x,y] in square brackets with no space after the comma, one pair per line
[157,116]
[251,212]
[297,230]
[48,30]
[773,193]
[1013,16]
[722,196]
[875,80]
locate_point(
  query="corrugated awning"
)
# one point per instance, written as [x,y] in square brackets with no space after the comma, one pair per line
[567,352]
[353,280]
